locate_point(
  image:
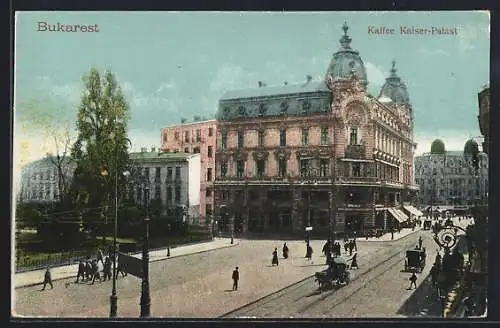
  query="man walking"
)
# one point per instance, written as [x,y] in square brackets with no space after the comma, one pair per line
[236,277]
[81,271]
[413,280]
[47,279]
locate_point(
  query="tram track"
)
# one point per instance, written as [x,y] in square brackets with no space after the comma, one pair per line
[302,297]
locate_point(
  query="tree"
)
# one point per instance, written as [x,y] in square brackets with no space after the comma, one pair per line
[100,149]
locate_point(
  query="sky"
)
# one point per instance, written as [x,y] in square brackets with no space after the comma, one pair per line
[178,64]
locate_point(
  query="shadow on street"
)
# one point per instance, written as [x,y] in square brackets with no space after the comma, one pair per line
[423,302]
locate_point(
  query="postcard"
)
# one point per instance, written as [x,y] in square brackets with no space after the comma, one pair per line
[250,164]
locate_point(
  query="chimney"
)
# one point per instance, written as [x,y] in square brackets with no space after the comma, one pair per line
[286,83]
[309,78]
[144,149]
[153,149]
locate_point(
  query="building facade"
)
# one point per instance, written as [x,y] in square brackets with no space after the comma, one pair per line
[321,154]
[448,178]
[41,181]
[484,116]
[196,137]
[173,178]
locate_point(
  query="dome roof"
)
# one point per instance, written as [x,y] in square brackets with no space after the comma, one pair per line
[394,88]
[347,61]
[437,147]
[471,147]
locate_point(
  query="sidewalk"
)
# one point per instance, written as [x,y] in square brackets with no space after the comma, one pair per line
[32,278]
[387,237]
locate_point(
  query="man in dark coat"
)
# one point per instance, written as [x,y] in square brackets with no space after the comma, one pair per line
[95,272]
[88,269]
[413,280]
[107,268]
[236,277]
[81,271]
[420,241]
[309,251]
[47,279]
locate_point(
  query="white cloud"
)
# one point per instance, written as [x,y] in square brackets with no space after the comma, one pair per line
[69,92]
[453,140]
[376,75]
[469,34]
[142,139]
[432,52]
[166,95]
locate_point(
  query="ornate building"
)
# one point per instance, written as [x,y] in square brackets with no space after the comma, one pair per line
[484,116]
[447,178]
[324,154]
[41,181]
[196,137]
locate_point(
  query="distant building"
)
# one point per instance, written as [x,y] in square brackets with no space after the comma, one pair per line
[324,154]
[447,178]
[40,180]
[484,116]
[174,179]
[195,138]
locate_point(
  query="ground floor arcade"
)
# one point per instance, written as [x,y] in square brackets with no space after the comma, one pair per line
[289,209]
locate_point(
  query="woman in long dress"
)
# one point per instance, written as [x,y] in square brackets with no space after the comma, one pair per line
[275,257]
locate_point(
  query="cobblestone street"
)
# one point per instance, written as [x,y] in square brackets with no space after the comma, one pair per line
[198,285]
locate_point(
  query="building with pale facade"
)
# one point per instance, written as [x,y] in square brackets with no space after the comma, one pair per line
[41,181]
[448,178]
[195,138]
[322,154]
[173,179]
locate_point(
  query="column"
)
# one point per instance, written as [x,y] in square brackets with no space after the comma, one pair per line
[246,211]
[297,223]
[386,201]
[264,212]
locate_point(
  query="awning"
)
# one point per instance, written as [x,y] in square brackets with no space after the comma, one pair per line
[396,214]
[413,210]
[402,215]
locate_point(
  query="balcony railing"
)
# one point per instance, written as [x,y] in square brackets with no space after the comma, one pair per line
[355,151]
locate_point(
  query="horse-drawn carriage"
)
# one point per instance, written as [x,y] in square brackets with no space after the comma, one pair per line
[415,260]
[427,224]
[337,274]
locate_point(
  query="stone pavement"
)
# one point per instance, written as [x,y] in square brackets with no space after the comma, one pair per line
[192,286]
[32,278]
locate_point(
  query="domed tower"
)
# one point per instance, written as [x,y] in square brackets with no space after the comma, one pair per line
[471,148]
[437,147]
[347,61]
[395,89]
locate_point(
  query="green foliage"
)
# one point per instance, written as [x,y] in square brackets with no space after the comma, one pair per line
[100,150]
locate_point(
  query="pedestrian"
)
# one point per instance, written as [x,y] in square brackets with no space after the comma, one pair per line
[285,251]
[107,268]
[95,272]
[434,274]
[420,241]
[413,280]
[236,277]
[354,244]
[309,251]
[351,248]
[275,257]
[88,269]
[81,271]
[354,263]
[47,279]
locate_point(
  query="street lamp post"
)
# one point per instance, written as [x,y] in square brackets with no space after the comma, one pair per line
[145,295]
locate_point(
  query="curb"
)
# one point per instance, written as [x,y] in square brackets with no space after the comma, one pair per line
[157,260]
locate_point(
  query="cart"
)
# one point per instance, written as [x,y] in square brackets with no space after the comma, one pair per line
[336,275]
[415,260]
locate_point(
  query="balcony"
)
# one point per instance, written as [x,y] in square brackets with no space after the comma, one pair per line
[355,151]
